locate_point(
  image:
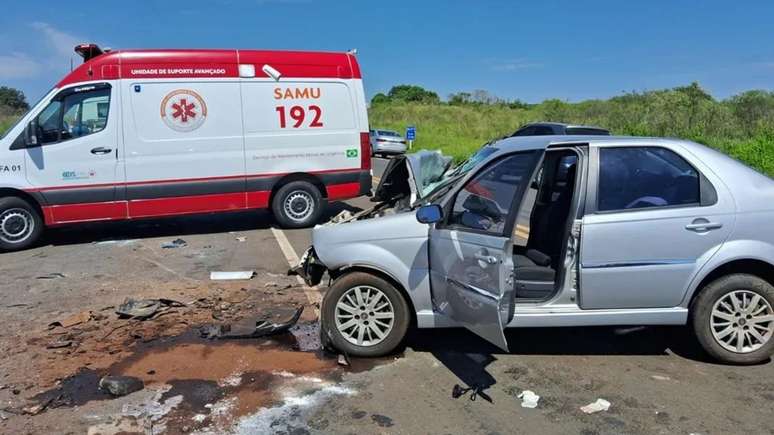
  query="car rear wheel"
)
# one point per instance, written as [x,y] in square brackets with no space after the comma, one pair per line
[733,318]
[363,315]
[20,224]
[297,204]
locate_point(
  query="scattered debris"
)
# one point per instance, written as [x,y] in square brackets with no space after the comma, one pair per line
[116,242]
[177,243]
[145,308]
[529,399]
[54,275]
[241,239]
[58,344]
[75,319]
[40,407]
[120,385]
[250,328]
[598,406]
[661,378]
[229,276]
[271,284]
[343,360]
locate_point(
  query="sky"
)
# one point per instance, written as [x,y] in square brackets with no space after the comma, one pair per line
[527,50]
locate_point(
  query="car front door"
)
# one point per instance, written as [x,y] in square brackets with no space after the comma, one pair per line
[75,164]
[659,216]
[471,266]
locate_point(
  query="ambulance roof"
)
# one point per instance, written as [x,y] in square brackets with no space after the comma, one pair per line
[150,64]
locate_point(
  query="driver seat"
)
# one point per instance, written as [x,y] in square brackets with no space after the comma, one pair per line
[534,277]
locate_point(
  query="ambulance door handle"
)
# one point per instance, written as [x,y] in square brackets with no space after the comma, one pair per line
[101,150]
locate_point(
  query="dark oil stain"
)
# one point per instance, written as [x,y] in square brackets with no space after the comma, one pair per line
[382,420]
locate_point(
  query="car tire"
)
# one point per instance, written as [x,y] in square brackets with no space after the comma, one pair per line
[20,224]
[298,204]
[338,336]
[714,311]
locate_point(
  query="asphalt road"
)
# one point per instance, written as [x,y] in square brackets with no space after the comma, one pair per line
[657,379]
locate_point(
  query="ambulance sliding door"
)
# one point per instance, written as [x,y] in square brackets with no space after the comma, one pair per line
[184,147]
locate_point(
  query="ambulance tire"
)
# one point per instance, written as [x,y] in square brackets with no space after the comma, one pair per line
[298,204]
[20,224]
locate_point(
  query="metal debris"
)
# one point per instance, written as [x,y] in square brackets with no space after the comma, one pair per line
[250,328]
[145,308]
[59,344]
[53,275]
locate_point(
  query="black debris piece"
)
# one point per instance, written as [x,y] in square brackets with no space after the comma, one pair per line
[254,327]
[177,243]
[120,385]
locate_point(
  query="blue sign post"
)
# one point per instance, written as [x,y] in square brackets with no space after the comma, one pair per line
[411,134]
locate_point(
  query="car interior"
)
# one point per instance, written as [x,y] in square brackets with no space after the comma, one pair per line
[537,265]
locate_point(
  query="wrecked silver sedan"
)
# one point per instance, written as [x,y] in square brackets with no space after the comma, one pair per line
[555,231]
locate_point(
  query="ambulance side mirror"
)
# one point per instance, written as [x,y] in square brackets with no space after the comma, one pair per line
[31,134]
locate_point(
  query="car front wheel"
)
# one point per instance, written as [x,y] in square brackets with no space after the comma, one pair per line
[363,315]
[733,319]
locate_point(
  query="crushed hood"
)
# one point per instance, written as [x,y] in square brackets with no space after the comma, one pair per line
[412,175]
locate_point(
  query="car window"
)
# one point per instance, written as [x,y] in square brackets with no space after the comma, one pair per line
[76,115]
[542,130]
[388,133]
[485,202]
[645,177]
[526,131]
[586,131]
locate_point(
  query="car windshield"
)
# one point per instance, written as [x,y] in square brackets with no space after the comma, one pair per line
[447,181]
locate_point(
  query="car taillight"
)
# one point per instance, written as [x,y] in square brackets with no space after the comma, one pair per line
[365,151]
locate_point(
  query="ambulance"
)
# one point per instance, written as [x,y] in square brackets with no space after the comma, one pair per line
[135,134]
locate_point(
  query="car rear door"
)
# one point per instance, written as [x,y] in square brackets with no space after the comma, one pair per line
[657,216]
[471,266]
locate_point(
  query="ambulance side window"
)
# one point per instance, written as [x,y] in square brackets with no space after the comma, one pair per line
[74,115]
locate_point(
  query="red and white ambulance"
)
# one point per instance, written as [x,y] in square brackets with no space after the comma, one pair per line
[148,133]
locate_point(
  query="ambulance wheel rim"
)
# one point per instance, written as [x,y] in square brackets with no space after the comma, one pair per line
[16,225]
[299,205]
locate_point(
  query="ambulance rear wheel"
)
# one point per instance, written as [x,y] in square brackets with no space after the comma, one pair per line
[297,204]
[20,224]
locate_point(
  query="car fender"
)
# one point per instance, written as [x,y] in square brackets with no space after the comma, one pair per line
[412,275]
[731,250]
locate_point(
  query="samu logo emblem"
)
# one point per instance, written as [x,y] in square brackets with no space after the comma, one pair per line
[183,110]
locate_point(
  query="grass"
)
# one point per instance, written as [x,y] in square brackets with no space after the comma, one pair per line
[460,130]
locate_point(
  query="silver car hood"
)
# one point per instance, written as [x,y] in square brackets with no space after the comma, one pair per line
[412,175]
[396,226]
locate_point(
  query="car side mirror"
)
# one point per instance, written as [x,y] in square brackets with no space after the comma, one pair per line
[31,134]
[429,214]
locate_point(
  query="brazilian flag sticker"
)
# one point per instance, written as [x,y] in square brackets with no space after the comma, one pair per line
[352,152]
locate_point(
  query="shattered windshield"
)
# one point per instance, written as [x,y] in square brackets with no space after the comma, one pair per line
[435,190]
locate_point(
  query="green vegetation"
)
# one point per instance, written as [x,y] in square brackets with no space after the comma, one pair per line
[741,126]
[12,105]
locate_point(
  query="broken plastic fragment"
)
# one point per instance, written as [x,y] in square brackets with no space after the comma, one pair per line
[598,406]
[177,243]
[145,308]
[230,276]
[529,399]
[251,328]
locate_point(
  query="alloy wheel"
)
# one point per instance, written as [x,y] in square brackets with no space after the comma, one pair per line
[742,321]
[364,316]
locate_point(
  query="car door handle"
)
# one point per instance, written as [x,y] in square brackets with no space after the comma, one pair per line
[101,150]
[703,226]
[488,259]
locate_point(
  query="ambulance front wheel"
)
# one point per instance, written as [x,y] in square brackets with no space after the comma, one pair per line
[297,204]
[20,224]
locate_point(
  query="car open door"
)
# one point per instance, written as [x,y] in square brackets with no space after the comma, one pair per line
[471,266]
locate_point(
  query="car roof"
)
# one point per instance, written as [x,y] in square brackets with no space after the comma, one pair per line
[562,124]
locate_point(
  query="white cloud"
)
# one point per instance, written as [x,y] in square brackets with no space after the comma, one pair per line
[60,42]
[18,65]
[505,65]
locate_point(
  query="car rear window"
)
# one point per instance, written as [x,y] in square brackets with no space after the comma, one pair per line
[645,177]
[388,133]
[588,131]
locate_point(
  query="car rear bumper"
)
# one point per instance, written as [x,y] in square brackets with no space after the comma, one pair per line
[390,147]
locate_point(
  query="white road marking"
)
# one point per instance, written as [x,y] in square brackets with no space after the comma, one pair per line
[292,258]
